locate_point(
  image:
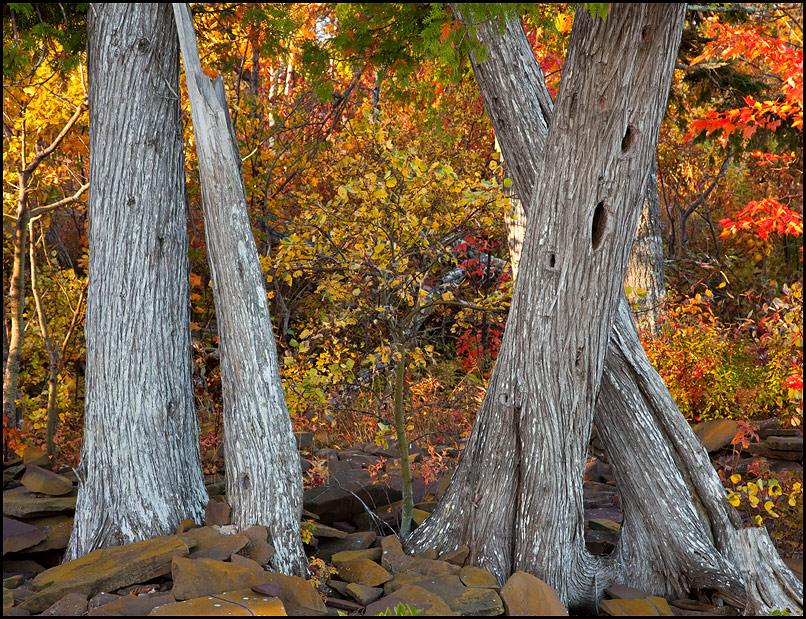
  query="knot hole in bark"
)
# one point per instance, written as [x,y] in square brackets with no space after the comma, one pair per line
[598,226]
[646,33]
[551,261]
[628,140]
[244,481]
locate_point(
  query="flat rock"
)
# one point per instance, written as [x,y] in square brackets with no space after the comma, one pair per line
[240,603]
[716,433]
[604,524]
[421,599]
[57,531]
[71,605]
[456,557]
[346,494]
[396,561]
[362,593]
[298,595]
[217,513]
[364,572]
[36,456]
[373,554]
[258,549]
[623,592]
[473,576]
[322,530]
[132,605]
[524,594]
[649,606]
[40,480]
[462,599]
[18,535]
[193,578]
[359,540]
[22,503]
[786,443]
[207,543]
[105,569]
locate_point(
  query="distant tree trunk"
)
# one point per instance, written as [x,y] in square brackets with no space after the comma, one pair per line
[646,279]
[264,477]
[666,545]
[140,472]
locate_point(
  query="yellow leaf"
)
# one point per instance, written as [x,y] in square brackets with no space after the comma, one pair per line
[343,193]
[391,181]
[736,478]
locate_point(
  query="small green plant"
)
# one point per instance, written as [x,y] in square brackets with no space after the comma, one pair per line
[401,610]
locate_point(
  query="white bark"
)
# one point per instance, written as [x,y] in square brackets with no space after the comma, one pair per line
[680,534]
[264,478]
[140,472]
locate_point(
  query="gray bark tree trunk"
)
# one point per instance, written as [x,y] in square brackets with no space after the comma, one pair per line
[140,473]
[684,537]
[264,477]
[516,498]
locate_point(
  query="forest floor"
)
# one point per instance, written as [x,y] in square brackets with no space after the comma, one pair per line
[351,513]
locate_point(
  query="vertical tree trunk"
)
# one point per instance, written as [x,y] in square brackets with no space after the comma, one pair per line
[140,472]
[645,274]
[683,536]
[264,477]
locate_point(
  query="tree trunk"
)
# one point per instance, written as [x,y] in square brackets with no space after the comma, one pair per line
[264,477]
[518,502]
[140,472]
[645,274]
[666,545]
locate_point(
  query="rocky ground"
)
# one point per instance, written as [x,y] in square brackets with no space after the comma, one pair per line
[214,570]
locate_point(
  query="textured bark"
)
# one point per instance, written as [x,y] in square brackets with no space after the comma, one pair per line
[680,534]
[516,498]
[140,472]
[264,477]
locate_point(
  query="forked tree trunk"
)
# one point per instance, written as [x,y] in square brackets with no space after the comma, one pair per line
[264,477]
[680,534]
[140,472]
[516,498]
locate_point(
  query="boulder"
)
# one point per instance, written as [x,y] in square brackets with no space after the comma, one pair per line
[207,543]
[240,603]
[105,569]
[364,572]
[22,503]
[716,433]
[346,494]
[524,594]
[298,595]
[194,578]
[40,480]
[421,599]
[18,535]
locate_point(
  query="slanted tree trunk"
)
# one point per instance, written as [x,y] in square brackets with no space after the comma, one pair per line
[264,477]
[140,473]
[679,534]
